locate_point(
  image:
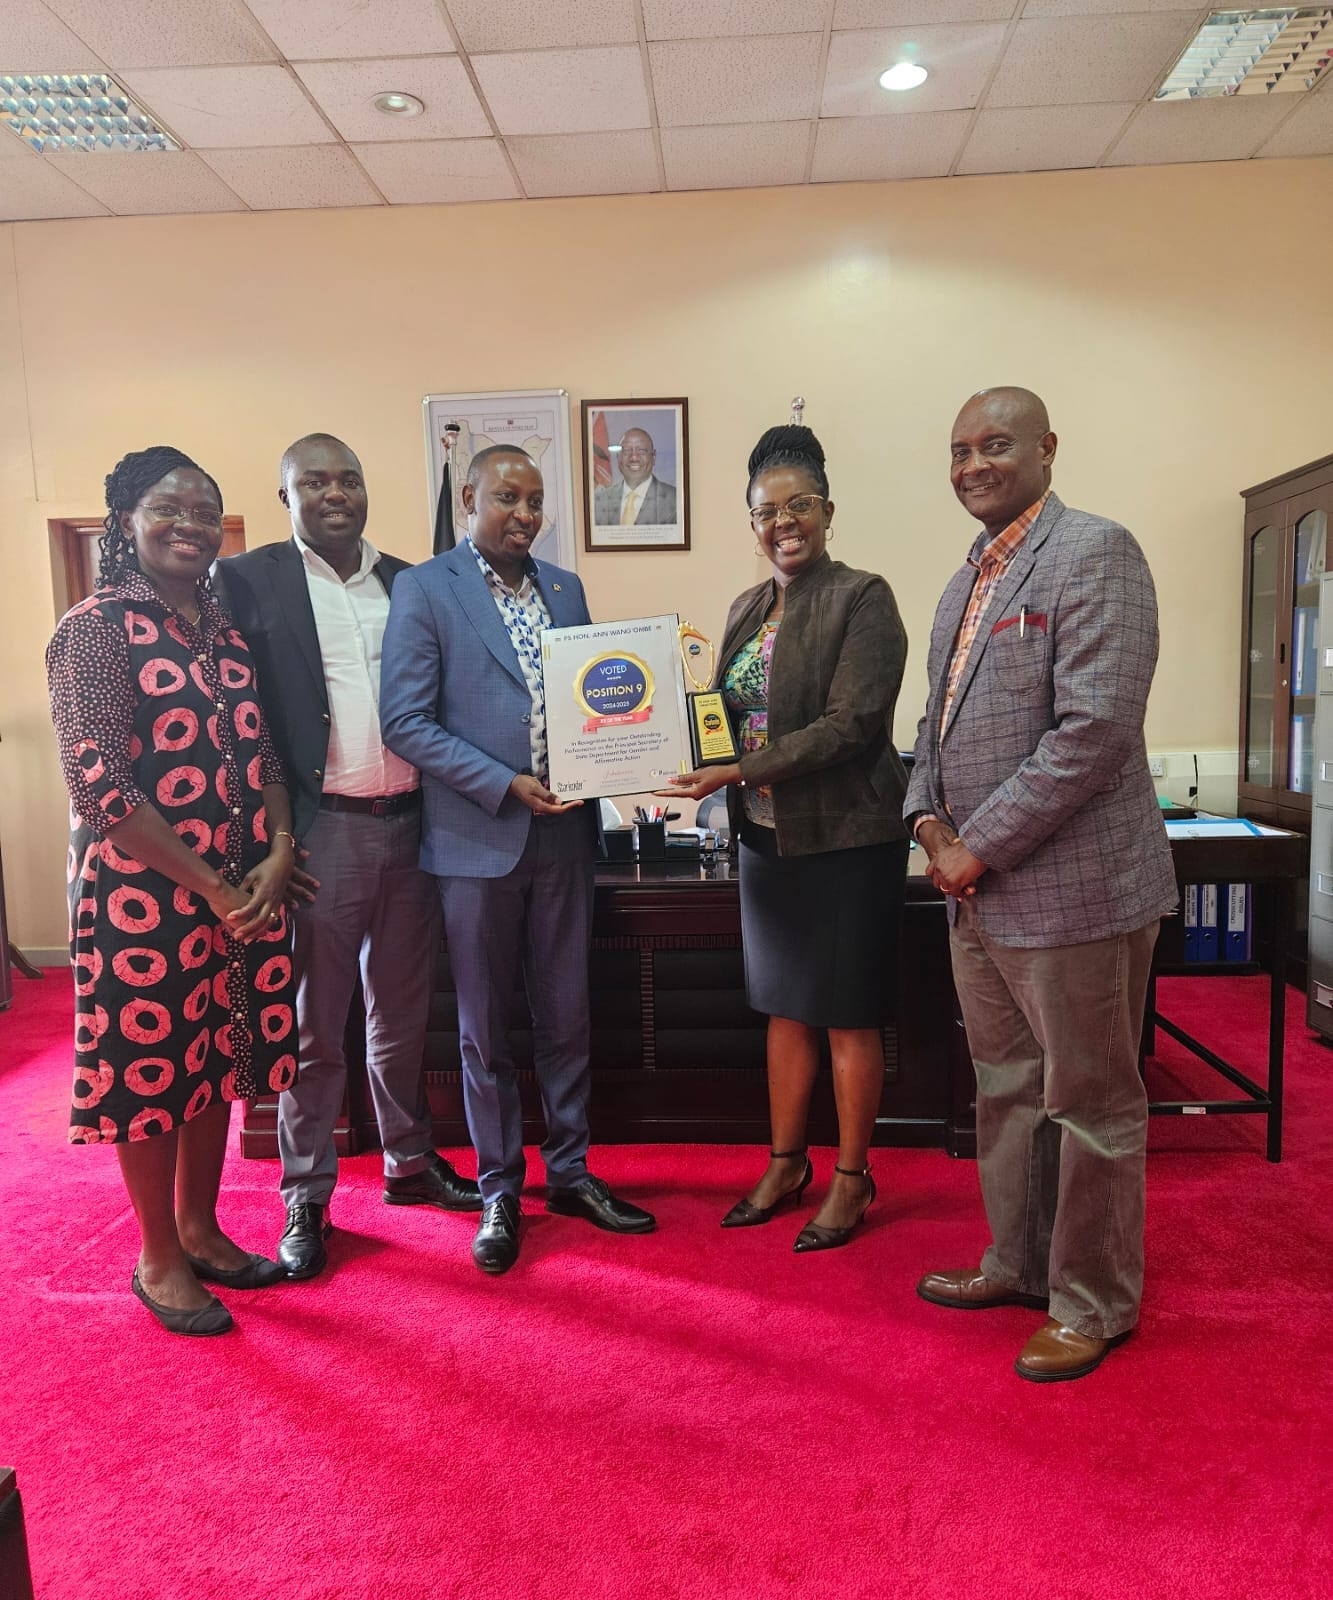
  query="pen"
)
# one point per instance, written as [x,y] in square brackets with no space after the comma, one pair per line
[1022,620]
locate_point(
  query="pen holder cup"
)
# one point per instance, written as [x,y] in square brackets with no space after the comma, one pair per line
[652,840]
[620,844]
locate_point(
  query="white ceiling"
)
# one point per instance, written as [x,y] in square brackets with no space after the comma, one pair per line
[271,98]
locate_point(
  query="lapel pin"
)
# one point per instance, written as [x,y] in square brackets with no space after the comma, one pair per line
[556,587]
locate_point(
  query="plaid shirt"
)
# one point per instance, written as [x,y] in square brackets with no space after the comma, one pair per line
[991,564]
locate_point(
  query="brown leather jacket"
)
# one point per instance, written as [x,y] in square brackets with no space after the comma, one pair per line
[837,665]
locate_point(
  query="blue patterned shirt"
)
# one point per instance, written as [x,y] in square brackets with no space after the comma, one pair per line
[524,614]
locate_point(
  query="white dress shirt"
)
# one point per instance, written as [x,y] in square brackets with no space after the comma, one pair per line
[349,620]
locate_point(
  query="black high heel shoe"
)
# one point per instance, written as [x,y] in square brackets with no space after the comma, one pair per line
[744,1215]
[813,1236]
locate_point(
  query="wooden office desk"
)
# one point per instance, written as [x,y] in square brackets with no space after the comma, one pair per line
[678,1055]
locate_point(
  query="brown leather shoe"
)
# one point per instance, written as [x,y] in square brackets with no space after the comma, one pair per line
[972,1291]
[1055,1353]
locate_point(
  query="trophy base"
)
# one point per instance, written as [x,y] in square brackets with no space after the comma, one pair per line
[711,738]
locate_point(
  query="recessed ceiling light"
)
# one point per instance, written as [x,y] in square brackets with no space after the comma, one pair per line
[1280,50]
[904,75]
[398,105]
[64,111]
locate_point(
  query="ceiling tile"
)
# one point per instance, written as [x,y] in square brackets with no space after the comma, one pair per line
[751,155]
[727,19]
[735,80]
[1063,61]
[320,30]
[166,33]
[32,40]
[32,190]
[1225,128]
[908,13]
[1041,138]
[438,171]
[586,163]
[223,108]
[538,24]
[565,91]
[345,89]
[1088,8]
[960,58]
[915,145]
[302,177]
[146,184]
[1310,131]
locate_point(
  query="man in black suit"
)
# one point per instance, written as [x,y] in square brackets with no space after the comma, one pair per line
[313,612]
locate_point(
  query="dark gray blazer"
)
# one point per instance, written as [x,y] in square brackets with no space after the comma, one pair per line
[657,509]
[1043,767]
[837,666]
[266,594]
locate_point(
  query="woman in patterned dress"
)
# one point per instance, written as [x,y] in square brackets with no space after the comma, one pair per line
[810,665]
[180,857]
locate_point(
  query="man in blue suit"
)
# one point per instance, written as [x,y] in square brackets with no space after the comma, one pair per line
[462,699]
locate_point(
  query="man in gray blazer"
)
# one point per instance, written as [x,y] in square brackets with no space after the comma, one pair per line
[313,612]
[640,499]
[462,699]
[1032,798]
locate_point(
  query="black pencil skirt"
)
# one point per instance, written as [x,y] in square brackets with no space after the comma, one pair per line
[821,931]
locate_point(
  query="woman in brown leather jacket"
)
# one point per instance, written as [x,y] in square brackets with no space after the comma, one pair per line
[810,665]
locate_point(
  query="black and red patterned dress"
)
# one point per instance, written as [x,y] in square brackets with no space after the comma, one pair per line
[171,1012]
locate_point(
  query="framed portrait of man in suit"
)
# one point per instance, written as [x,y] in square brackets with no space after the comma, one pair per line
[636,475]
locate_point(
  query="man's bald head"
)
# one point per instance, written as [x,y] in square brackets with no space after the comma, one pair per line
[1021,407]
[1001,454]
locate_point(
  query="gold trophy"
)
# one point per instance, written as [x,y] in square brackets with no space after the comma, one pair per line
[711,738]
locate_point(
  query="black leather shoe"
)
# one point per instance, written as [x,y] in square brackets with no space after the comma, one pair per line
[437,1184]
[591,1199]
[258,1273]
[495,1245]
[301,1252]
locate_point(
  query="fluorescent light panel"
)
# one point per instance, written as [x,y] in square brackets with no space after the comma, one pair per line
[77,111]
[1281,50]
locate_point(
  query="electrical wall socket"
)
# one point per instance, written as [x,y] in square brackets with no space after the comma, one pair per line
[1157,766]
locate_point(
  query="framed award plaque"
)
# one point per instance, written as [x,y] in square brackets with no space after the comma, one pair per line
[616,717]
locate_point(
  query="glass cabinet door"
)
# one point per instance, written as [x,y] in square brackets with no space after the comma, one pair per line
[1261,669]
[1307,570]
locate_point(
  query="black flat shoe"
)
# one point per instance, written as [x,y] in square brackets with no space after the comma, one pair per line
[744,1215]
[258,1273]
[201,1324]
[495,1244]
[813,1236]
[301,1252]
[437,1184]
[591,1199]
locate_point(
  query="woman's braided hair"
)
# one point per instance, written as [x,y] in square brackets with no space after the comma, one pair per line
[790,445]
[134,475]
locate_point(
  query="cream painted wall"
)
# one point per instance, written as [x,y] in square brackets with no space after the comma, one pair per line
[1170,316]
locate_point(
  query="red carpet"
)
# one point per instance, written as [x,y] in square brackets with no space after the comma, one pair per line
[695,1414]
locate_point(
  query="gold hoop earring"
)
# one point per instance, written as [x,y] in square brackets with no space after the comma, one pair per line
[758,549]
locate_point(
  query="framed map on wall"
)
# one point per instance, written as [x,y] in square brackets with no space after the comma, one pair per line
[536,420]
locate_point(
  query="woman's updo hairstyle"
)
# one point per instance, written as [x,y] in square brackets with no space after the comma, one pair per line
[791,445]
[134,475]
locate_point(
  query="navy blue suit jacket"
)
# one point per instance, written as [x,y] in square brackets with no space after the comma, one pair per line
[453,702]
